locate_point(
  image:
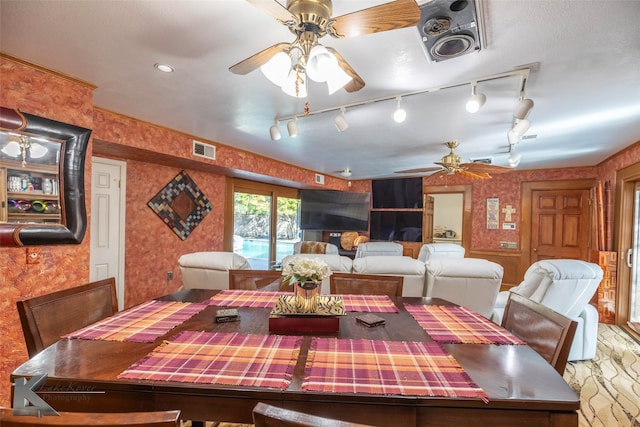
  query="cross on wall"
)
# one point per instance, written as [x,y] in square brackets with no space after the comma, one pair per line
[508,211]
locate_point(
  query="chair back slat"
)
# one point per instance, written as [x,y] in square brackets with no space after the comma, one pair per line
[46,318]
[255,279]
[549,333]
[366,284]
[78,419]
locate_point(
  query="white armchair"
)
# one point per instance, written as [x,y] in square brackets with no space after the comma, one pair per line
[209,270]
[379,249]
[411,269]
[470,282]
[431,251]
[566,286]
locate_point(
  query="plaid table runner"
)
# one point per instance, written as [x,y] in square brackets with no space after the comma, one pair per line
[245,298]
[267,299]
[221,358]
[386,367]
[459,325]
[369,303]
[142,323]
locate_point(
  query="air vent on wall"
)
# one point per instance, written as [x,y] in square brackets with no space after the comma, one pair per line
[449,28]
[204,150]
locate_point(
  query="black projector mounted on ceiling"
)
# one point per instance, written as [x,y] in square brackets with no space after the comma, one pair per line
[449,28]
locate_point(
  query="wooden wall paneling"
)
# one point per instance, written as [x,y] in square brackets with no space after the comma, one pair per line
[510,261]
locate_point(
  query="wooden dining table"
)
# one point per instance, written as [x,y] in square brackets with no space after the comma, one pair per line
[520,386]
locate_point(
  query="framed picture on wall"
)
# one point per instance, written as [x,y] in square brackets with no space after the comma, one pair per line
[493,209]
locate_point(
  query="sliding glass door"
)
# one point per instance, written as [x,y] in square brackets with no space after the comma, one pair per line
[265,223]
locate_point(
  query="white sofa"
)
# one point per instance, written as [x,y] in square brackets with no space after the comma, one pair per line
[337,263]
[566,286]
[411,269]
[209,270]
[379,249]
[470,282]
[431,251]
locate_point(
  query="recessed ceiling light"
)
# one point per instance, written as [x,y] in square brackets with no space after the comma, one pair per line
[164,68]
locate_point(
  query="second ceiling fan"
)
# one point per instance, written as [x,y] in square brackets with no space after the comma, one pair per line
[289,64]
[451,165]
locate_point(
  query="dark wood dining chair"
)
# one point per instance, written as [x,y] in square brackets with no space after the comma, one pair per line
[546,331]
[47,317]
[365,284]
[78,419]
[255,279]
[265,415]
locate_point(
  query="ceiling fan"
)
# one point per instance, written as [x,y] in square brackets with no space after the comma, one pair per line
[288,64]
[451,165]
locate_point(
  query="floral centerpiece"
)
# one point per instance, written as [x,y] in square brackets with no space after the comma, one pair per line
[305,275]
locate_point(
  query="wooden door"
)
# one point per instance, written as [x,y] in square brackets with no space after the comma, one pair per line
[428,219]
[560,224]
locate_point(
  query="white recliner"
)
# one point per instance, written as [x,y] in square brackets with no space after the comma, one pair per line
[379,249]
[470,282]
[431,251]
[566,286]
[210,270]
[338,263]
[411,269]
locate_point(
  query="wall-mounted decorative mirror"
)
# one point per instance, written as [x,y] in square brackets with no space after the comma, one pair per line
[42,197]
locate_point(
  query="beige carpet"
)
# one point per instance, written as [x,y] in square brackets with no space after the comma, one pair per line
[609,385]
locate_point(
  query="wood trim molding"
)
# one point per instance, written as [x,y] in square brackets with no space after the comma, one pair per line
[623,236]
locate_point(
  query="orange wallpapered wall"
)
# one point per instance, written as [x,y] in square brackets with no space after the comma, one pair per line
[151,248]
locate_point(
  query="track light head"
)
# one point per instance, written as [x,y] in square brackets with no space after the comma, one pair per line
[523,109]
[292,127]
[399,115]
[476,101]
[514,158]
[521,127]
[513,137]
[274,131]
[341,121]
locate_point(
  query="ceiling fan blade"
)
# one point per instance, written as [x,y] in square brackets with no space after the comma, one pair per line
[440,173]
[389,16]
[478,167]
[273,8]
[473,175]
[419,170]
[251,63]
[356,83]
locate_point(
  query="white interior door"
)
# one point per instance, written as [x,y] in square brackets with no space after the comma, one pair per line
[107,222]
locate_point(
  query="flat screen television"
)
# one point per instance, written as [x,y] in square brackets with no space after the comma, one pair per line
[334,210]
[403,226]
[400,193]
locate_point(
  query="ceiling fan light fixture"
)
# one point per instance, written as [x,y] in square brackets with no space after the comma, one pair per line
[521,127]
[12,149]
[476,101]
[399,115]
[337,79]
[277,68]
[292,127]
[523,109]
[346,173]
[341,121]
[321,64]
[274,131]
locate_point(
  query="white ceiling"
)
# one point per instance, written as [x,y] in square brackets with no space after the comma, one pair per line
[586,84]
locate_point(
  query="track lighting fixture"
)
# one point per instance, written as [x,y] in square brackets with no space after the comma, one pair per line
[514,157]
[476,101]
[292,127]
[521,127]
[341,121]
[523,109]
[513,137]
[274,131]
[399,115]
